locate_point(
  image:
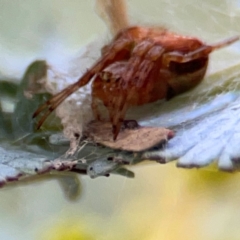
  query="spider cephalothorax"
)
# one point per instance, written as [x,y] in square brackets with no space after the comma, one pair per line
[140,65]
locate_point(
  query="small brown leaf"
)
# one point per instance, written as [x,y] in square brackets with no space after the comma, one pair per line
[135,140]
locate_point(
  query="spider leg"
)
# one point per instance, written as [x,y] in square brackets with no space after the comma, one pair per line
[224,43]
[122,105]
[152,60]
[119,104]
[94,106]
[135,60]
[203,51]
[116,52]
[144,66]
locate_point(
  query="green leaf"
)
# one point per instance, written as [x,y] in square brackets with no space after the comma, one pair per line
[22,122]
[8,89]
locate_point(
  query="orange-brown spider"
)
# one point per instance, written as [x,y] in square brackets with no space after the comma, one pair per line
[140,65]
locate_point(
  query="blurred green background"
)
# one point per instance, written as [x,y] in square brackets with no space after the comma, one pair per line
[162,202]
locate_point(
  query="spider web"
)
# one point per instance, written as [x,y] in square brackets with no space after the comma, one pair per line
[200,117]
[205,121]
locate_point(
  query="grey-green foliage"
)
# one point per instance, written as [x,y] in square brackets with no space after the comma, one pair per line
[205,121]
[22,121]
[26,153]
